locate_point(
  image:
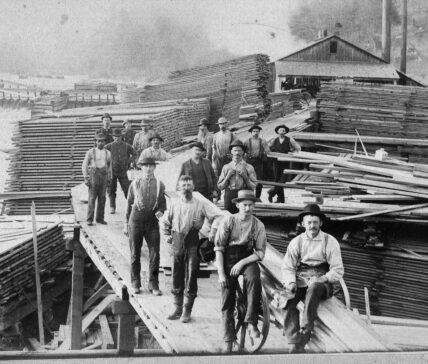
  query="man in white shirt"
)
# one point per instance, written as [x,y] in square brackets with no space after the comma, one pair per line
[312,264]
[155,151]
[141,139]
[97,172]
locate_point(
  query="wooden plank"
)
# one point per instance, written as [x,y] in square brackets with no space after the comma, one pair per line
[125,334]
[106,336]
[96,296]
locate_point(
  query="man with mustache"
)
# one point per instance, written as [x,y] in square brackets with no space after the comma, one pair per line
[312,264]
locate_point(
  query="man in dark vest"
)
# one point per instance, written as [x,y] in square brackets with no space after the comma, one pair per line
[257,149]
[201,171]
[281,144]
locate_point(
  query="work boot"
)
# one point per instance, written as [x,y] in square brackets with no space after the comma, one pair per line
[102,222]
[297,349]
[188,305]
[178,303]
[228,347]
[112,210]
[253,331]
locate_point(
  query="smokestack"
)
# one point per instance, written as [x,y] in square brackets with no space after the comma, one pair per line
[386,30]
[403,57]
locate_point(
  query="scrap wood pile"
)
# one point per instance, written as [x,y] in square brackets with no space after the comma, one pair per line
[49,151]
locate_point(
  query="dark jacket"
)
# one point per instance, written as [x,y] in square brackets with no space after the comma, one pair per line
[210,175]
[128,136]
[281,148]
[122,154]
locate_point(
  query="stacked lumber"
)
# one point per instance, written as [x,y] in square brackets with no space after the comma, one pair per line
[285,102]
[251,72]
[49,151]
[50,103]
[96,86]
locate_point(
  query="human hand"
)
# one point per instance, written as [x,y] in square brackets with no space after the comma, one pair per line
[158,214]
[243,173]
[125,229]
[212,234]
[236,269]
[313,280]
[168,239]
[222,280]
[291,287]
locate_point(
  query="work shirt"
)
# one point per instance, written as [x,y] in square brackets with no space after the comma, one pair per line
[157,154]
[141,141]
[324,248]
[185,215]
[96,158]
[128,136]
[256,147]
[236,182]
[221,143]
[122,155]
[143,195]
[236,231]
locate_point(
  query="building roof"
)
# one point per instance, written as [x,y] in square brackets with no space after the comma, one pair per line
[328,38]
[336,69]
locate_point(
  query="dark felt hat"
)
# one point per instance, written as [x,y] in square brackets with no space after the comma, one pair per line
[254,127]
[143,161]
[246,195]
[156,135]
[106,115]
[204,121]
[117,132]
[100,135]
[312,209]
[287,129]
[237,143]
[198,145]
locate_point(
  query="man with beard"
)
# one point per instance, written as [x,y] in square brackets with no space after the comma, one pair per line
[145,205]
[106,120]
[221,143]
[206,139]
[181,225]
[281,144]
[312,264]
[128,132]
[236,175]
[141,139]
[155,151]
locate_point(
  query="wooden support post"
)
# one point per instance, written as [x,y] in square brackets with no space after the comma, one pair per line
[125,333]
[77,292]
[367,301]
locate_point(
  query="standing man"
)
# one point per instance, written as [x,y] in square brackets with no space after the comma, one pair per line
[221,143]
[281,144]
[181,225]
[155,151]
[239,244]
[128,132]
[106,119]
[312,264]
[122,155]
[236,175]
[257,150]
[146,205]
[141,139]
[206,138]
[97,172]
[201,171]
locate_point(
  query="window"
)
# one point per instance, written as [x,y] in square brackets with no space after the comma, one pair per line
[333,46]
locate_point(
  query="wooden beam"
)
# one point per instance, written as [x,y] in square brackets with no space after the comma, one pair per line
[96,296]
[107,338]
[126,324]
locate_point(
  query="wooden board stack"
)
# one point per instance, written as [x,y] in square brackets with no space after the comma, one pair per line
[285,102]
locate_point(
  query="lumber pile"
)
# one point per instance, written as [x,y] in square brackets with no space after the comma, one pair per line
[285,102]
[49,103]
[99,86]
[49,151]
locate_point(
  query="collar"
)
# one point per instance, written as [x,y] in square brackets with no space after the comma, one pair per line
[319,236]
[236,163]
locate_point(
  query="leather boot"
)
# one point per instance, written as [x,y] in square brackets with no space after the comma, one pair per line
[188,305]
[178,303]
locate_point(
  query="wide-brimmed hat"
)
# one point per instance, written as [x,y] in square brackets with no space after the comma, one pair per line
[254,127]
[246,195]
[145,161]
[100,135]
[198,145]
[125,121]
[312,209]
[106,115]
[117,132]
[237,143]
[222,120]
[287,129]
[156,135]
[203,121]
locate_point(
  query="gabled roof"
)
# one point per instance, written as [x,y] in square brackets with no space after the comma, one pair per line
[325,39]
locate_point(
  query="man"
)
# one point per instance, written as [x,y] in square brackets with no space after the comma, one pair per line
[181,225]
[122,155]
[221,143]
[141,139]
[155,151]
[281,144]
[146,205]
[206,138]
[257,149]
[97,172]
[239,244]
[236,175]
[312,264]
[201,171]
[128,132]
[106,119]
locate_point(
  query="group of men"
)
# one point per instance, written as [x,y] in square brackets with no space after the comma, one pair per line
[312,262]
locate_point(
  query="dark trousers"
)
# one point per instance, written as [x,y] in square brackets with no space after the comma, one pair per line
[257,163]
[185,264]
[144,228]
[97,193]
[253,289]
[229,195]
[124,184]
[281,178]
[312,297]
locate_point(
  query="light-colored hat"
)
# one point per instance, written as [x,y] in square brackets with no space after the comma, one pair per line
[246,195]
[222,120]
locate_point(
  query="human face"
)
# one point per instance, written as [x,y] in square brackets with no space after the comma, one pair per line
[106,123]
[128,126]
[281,131]
[100,143]
[237,152]
[155,142]
[186,188]
[245,207]
[148,170]
[203,128]
[312,225]
[222,126]
[145,127]
[255,133]
[197,153]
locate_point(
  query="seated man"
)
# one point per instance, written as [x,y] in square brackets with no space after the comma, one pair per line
[239,244]
[312,264]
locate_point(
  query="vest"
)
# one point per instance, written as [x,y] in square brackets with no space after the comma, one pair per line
[285,147]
